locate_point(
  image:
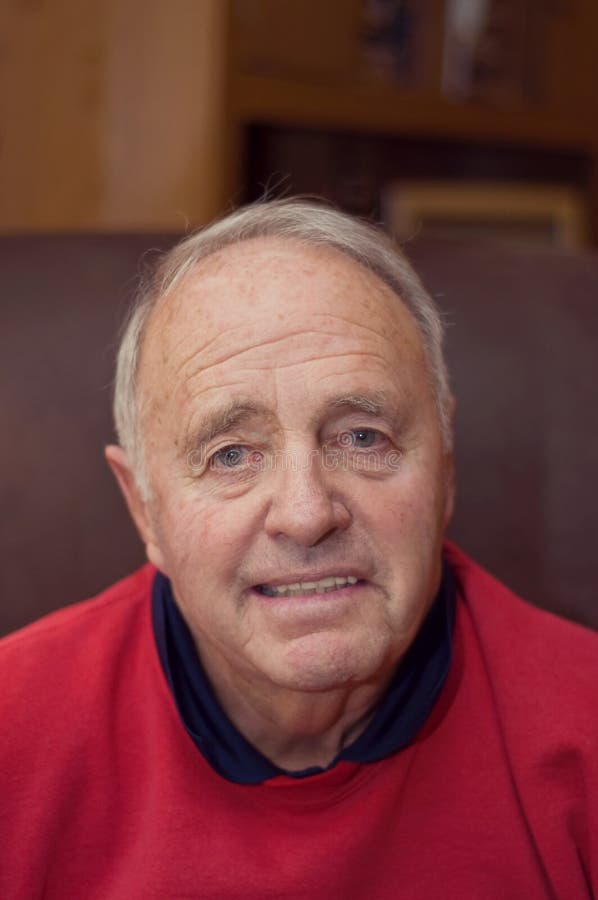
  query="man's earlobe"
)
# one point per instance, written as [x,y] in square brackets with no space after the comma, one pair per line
[122,470]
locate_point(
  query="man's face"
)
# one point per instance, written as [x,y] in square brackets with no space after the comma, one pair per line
[292,438]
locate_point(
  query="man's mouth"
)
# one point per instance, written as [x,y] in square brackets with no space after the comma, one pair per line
[307,588]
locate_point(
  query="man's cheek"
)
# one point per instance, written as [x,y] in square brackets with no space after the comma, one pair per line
[205,532]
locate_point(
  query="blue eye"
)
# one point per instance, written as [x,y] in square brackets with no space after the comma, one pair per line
[365,437]
[362,438]
[229,457]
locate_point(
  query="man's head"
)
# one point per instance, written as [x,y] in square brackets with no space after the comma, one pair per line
[284,417]
[306,223]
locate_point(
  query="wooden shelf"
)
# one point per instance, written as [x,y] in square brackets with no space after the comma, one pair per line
[257,99]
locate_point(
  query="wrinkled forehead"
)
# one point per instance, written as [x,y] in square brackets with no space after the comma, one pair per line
[266,289]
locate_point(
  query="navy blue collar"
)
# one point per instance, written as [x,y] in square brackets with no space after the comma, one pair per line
[400,714]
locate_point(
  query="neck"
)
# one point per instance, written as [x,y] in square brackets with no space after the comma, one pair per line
[296,730]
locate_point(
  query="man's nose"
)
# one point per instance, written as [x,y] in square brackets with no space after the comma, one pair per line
[305,507]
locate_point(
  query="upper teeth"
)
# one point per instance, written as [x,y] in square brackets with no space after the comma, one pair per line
[307,587]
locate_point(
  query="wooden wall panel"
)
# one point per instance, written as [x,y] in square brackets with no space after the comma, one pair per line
[163,135]
[49,62]
[112,113]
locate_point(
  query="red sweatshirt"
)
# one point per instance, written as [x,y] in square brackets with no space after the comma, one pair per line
[104,795]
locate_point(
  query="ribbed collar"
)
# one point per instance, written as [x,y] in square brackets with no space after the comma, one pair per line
[400,714]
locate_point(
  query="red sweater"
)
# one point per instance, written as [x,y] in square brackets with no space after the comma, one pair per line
[104,795]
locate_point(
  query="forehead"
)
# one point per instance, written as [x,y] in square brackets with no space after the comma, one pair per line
[270,303]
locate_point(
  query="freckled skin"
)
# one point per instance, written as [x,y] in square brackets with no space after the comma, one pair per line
[290,326]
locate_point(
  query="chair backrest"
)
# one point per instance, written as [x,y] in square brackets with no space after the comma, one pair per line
[65,532]
[522,346]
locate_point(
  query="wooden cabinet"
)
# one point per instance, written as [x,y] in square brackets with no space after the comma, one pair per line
[142,114]
[306,62]
[321,116]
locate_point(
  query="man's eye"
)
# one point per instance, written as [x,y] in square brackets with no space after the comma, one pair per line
[229,457]
[360,438]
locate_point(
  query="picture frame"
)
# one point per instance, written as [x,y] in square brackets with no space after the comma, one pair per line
[512,212]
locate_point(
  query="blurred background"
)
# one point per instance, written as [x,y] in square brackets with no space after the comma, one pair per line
[468,127]
[147,114]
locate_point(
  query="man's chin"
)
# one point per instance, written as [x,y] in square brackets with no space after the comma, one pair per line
[325,662]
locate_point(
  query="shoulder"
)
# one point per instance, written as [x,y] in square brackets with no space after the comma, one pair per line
[72,646]
[540,665]
[543,633]
[530,685]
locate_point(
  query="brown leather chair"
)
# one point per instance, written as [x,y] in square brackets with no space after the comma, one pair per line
[522,334]
[522,345]
[65,532]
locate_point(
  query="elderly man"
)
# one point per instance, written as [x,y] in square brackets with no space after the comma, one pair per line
[305,694]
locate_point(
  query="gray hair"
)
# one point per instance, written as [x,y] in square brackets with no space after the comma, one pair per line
[302,221]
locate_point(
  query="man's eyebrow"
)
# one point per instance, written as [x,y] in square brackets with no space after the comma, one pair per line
[375,404]
[224,419]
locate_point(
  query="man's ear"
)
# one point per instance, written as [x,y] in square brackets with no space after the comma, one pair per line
[118,461]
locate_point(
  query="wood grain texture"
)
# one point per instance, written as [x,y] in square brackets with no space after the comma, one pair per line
[49,126]
[132,114]
[112,114]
